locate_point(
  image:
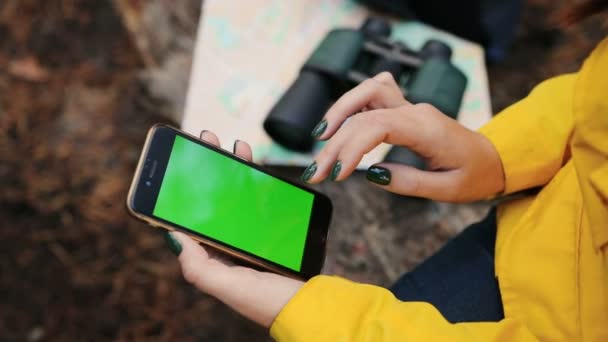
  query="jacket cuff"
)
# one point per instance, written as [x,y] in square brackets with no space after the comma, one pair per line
[299,320]
[312,313]
[518,173]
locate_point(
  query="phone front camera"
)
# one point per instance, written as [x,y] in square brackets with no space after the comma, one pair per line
[148,183]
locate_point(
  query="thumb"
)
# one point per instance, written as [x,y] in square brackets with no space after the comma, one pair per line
[409,181]
[197,267]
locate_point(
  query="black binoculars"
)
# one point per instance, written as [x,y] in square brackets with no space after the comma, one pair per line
[345,58]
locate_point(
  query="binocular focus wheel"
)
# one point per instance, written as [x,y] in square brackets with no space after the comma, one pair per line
[376,27]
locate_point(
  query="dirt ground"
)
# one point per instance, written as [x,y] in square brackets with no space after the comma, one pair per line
[73,115]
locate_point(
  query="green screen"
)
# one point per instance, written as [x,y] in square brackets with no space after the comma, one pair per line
[231,202]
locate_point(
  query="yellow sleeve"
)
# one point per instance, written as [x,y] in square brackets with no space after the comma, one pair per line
[334,309]
[532,135]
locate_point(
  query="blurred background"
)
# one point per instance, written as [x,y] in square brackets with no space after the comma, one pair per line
[80,84]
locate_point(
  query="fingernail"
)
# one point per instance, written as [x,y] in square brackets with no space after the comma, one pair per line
[319,129]
[309,172]
[335,172]
[174,245]
[236,142]
[378,175]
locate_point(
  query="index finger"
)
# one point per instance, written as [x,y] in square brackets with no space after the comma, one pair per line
[210,137]
[380,91]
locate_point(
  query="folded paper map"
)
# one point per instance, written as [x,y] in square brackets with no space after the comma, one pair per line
[248,53]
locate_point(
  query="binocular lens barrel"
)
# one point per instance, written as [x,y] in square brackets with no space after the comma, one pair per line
[299,110]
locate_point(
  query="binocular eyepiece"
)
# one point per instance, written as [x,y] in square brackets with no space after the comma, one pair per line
[345,58]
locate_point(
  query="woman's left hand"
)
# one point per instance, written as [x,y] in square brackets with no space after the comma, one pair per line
[259,296]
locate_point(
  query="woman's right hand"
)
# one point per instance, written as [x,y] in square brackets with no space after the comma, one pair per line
[463,164]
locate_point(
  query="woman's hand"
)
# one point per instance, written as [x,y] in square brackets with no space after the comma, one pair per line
[259,296]
[463,164]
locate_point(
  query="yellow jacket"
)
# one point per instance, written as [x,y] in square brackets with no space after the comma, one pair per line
[551,249]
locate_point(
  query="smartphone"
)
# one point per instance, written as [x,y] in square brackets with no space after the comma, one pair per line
[235,206]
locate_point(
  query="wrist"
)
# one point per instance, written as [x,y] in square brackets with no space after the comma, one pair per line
[258,296]
[492,167]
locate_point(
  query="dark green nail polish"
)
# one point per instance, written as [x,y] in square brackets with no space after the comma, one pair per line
[319,129]
[378,175]
[335,172]
[309,172]
[174,245]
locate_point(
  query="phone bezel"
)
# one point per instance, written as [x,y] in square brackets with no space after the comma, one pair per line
[142,198]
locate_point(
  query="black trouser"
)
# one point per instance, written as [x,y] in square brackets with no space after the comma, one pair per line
[459,279]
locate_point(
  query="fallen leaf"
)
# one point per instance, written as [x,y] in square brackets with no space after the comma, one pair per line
[28,69]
